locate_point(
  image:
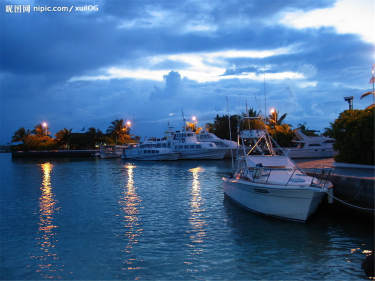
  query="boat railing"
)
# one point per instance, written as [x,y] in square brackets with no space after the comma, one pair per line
[319,178]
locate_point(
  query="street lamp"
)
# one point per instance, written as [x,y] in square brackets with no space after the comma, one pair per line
[45,127]
[272,111]
[128,124]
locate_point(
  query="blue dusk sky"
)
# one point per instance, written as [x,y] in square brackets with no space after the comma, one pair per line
[146,61]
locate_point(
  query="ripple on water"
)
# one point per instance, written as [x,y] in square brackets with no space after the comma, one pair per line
[123,220]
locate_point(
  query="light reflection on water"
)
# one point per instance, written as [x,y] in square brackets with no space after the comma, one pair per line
[196,219]
[108,220]
[46,232]
[130,203]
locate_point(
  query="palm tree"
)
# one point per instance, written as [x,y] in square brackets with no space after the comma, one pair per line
[118,130]
[63,137]
[40,131]
[274,120]
[20,135]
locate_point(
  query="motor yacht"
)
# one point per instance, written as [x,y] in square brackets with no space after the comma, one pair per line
[311,147]
[187,145]
[153,149]
[229,145]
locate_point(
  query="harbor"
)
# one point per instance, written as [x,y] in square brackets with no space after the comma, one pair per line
[121,213]
[189,140]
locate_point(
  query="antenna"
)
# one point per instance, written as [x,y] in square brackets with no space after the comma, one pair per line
[264,91]
[230,131]
[184,120]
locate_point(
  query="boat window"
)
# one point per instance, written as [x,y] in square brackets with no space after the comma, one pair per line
[190,135]
[211,145]
[314,144]
[158,145]
[192,146]
[186,146]
[169,145]
[197,146]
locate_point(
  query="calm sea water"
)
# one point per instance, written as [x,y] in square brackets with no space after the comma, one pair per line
[112,219]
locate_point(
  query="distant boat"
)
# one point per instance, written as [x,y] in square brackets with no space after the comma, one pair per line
[188,146]
[311,147]
[229,146]
[153,149]
[271,184]
[111,151]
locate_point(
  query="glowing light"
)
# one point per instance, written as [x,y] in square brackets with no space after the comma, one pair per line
[46,239]
[128,123]
[130,203]
[194,118]
[44,124]
[198,233]
[272,111]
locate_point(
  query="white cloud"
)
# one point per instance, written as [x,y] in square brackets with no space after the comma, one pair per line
[346,16]
[201,67]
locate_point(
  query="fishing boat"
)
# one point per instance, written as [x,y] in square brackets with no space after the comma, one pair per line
[153,149]
[311,147]
[271,184]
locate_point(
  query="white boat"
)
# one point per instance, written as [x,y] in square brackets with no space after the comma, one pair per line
[271,184]
[153,149]
[188,146]
[228,145]
[311,147]
[111,151]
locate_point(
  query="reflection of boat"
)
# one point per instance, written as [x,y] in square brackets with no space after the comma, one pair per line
[205,136]
[111,151]
[152,149]
[311,147]
[271,184]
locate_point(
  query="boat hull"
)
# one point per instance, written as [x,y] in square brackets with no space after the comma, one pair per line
[211,154]
[296,153]
[156,157]
[292,203]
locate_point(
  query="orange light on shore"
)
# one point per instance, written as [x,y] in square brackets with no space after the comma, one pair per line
[272,110]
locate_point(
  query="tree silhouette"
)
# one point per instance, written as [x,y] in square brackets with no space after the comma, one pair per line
[20,135]
[63,137]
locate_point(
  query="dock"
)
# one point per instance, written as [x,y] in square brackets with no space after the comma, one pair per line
[353,184]
[55,153]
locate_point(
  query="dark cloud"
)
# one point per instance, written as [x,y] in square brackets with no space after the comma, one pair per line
[39,53]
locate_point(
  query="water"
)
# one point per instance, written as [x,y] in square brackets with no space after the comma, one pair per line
[111,219]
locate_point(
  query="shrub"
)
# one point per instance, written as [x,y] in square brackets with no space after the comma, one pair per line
[354,134]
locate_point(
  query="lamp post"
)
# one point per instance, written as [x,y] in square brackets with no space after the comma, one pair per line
[195,121]
[45,127]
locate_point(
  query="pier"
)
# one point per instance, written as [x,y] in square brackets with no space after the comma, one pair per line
[353,184]
[55,153]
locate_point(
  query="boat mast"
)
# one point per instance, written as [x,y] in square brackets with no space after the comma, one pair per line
[230,133]
[183,120]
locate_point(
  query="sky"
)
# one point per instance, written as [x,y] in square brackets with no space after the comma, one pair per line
[149,61]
